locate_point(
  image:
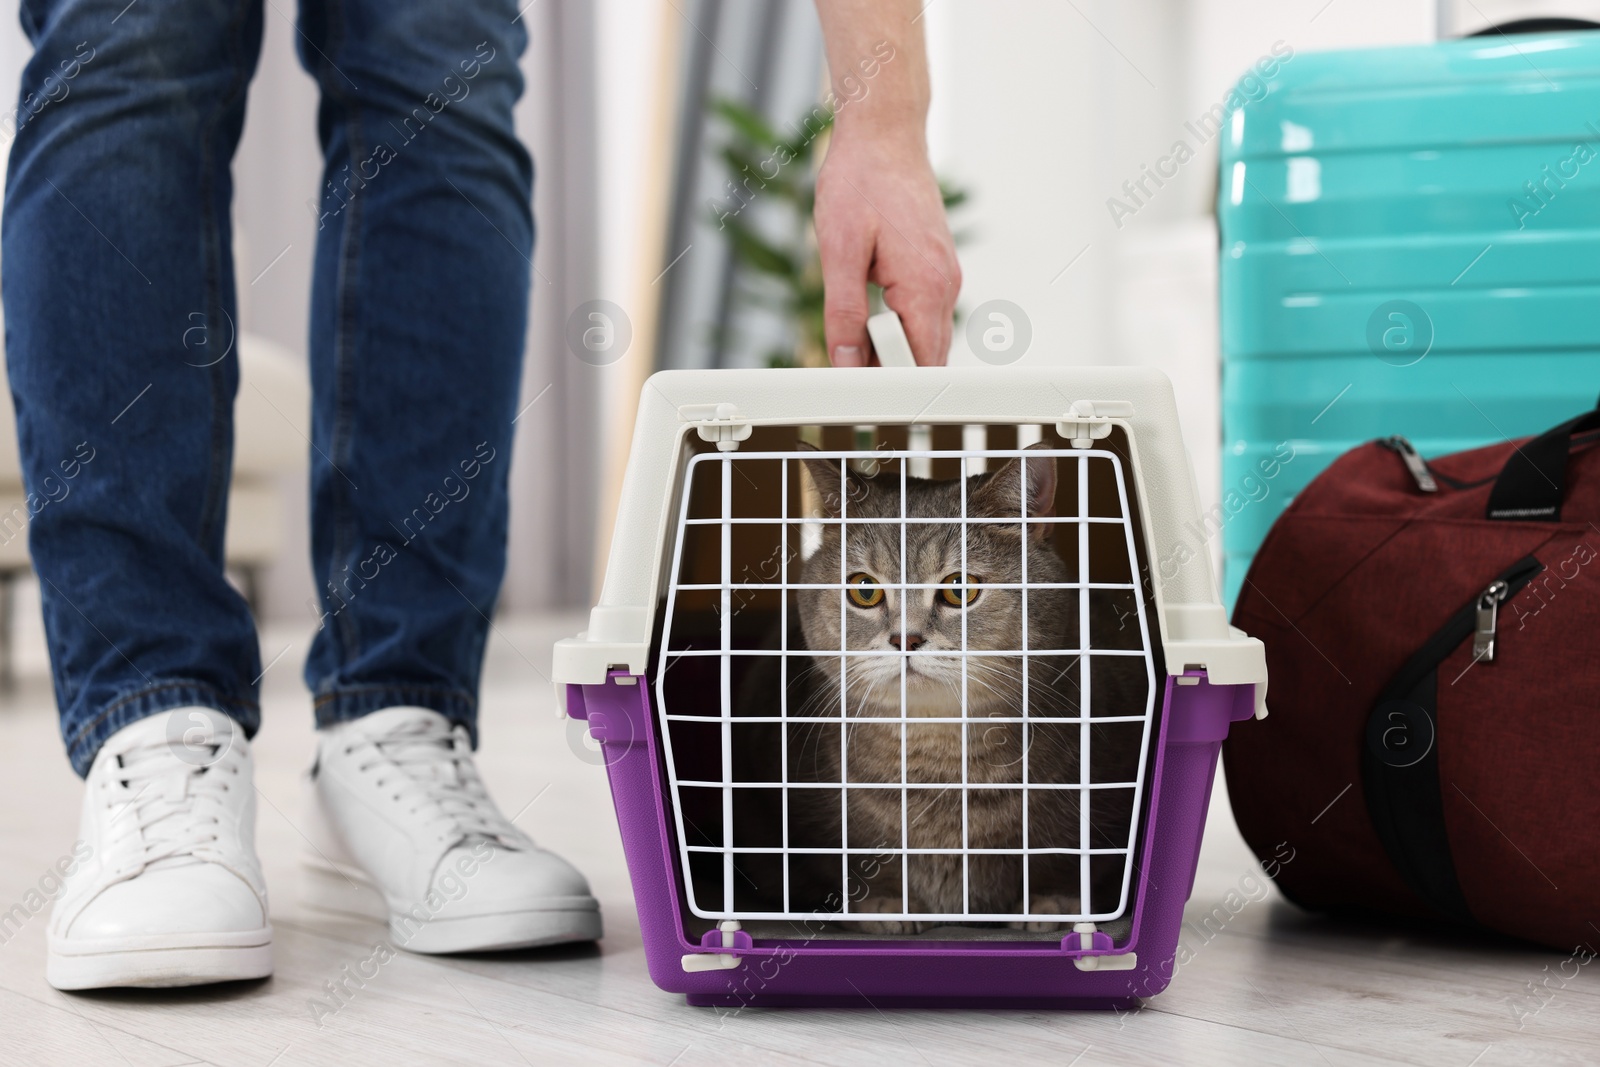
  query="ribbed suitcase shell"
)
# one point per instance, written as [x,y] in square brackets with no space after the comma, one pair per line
[1364,177]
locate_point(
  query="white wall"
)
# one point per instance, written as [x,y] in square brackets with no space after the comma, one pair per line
[1044,108]
[1035,114]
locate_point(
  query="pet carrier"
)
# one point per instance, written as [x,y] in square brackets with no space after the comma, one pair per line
[910,684]
[1410,241]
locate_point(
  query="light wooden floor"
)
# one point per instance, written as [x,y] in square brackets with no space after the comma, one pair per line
[1276,986]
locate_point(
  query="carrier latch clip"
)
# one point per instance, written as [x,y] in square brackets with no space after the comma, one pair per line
[1086,938]
[727,935]
[720,424]
[1089,421]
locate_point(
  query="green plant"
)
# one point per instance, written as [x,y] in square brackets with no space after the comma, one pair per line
[761,163]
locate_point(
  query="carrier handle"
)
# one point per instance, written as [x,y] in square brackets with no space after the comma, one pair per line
[889,341]
[1533,483]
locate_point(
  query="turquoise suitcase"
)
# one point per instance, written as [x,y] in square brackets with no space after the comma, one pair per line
[1410,245]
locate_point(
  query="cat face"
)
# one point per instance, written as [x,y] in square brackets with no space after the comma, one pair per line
[870,614]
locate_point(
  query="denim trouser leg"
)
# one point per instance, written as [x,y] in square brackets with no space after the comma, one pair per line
[118,288]
[417,324]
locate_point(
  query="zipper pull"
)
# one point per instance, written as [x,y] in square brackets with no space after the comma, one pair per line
[1413,461]
[1488,615]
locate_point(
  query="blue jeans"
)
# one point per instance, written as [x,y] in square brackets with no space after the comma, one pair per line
[120,319]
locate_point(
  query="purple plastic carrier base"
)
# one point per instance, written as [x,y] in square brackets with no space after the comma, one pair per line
[733,1000]
[909,972]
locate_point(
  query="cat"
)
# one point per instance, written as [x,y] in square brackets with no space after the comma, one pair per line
[870,618]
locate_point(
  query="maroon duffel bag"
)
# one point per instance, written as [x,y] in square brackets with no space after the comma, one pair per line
[1433,640]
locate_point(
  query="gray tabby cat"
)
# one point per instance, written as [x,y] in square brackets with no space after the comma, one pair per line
[871,618]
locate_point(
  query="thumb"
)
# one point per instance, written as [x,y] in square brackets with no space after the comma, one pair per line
[846,259]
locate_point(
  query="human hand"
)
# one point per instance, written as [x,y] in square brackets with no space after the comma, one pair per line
[880,218]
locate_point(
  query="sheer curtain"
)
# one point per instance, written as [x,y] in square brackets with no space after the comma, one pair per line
[768,57]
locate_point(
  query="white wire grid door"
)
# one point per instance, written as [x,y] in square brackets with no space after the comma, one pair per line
[709,738]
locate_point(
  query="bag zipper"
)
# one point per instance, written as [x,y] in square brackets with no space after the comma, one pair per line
[1467,621]
[1413,461]
[1488,614]
[1485,608]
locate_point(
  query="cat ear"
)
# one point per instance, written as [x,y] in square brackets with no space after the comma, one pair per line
[1000,493]
[824,474]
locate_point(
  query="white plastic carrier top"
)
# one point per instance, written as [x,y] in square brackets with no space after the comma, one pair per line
[679,410]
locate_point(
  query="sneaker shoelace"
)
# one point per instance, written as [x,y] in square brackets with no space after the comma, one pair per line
[175,807]
[428,766]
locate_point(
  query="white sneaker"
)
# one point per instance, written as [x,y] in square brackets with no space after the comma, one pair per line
[168,891]
[410,835]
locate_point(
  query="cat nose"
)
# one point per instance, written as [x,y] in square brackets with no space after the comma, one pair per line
[907,642]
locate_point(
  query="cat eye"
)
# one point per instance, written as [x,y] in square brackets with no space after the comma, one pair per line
[956,591]
[864,590]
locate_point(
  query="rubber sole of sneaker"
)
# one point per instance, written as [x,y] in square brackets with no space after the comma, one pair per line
[160,961]
[552,921]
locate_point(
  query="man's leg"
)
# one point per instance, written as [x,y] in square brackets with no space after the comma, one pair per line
[120,330]
[418,319]
[120,345]
[423,263]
